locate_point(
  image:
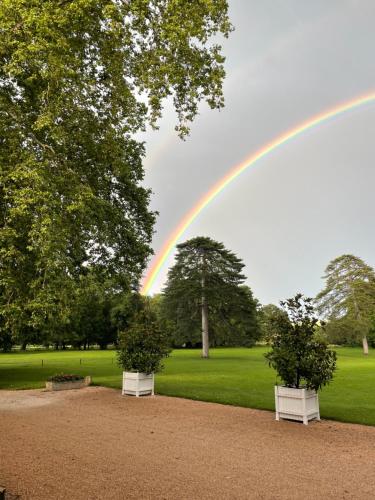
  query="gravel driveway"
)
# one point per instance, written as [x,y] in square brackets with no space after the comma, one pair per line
[93,443]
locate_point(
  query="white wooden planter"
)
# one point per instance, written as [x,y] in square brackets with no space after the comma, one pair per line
[72,384]
[137,384]
[296,404]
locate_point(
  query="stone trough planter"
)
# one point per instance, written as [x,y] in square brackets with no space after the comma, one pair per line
[296,404]
[71,384]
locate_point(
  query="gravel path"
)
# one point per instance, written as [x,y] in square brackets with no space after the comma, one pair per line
[95,444]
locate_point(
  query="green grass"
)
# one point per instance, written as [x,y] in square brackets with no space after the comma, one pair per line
[235,376]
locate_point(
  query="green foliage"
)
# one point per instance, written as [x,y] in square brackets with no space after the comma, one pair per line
[6,341]
[236,324]
[298,355]
[344,331]
[371,333]
[231,306]
[270,319]
[78,79]
[348,299]
[90,321]
[64,377]
[143,345]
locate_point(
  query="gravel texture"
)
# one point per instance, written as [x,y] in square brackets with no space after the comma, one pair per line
[93,443]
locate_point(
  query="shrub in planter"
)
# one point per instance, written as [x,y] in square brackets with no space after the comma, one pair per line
[142,347]
[302,360]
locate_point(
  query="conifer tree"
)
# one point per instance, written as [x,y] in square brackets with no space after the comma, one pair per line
[207,278]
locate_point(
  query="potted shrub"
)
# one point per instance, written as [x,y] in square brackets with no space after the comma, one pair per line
[302,360]
[142,347]
[62,382]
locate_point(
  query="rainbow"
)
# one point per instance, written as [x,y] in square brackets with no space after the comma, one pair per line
[234,172]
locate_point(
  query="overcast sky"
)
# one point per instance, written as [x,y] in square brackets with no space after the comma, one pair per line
[307,202]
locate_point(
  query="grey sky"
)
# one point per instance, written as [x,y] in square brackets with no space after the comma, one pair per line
[312,199]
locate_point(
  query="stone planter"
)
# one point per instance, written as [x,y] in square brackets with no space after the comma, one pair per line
[137,384]
[296,404]
[63,386]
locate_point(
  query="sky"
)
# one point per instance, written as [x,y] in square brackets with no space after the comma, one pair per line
[312,199]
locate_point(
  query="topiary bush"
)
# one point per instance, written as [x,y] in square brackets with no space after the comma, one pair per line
[299,355]
[143,345]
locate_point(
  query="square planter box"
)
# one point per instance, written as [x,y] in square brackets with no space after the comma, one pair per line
[296,404]
[137,384]
[63,386]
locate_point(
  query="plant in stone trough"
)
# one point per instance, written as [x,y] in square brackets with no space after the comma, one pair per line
[299,355]
[64,377]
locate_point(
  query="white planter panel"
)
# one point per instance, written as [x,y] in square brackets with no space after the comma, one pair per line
[296,404]
[137,384]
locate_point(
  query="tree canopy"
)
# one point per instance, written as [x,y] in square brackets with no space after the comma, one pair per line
[78,78]
[348,298]
[205,286]
[270,319]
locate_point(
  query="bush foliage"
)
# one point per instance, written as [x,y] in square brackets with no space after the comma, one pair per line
[64,377]
[143,345]
[298,354]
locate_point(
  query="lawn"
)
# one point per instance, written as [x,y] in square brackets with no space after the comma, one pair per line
[236,376]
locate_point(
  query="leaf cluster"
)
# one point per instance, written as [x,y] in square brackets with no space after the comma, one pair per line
[300,356]
[63,377]
[143,345]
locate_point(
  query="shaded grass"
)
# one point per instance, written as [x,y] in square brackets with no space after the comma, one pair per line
[236,376]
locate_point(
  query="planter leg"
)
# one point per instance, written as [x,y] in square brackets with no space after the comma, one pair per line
[305,421]
[317,403]
[277,403]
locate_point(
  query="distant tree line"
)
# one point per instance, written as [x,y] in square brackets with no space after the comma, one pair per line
[205,303]
[96,319]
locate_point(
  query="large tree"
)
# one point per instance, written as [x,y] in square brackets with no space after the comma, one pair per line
[78,78]
[205,285]
[349,295]
[270,319]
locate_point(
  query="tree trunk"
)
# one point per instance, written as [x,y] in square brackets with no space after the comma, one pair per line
[365,345]
[205,340]
[364,338]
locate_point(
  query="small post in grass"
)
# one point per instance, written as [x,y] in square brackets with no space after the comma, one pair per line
[42,362]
